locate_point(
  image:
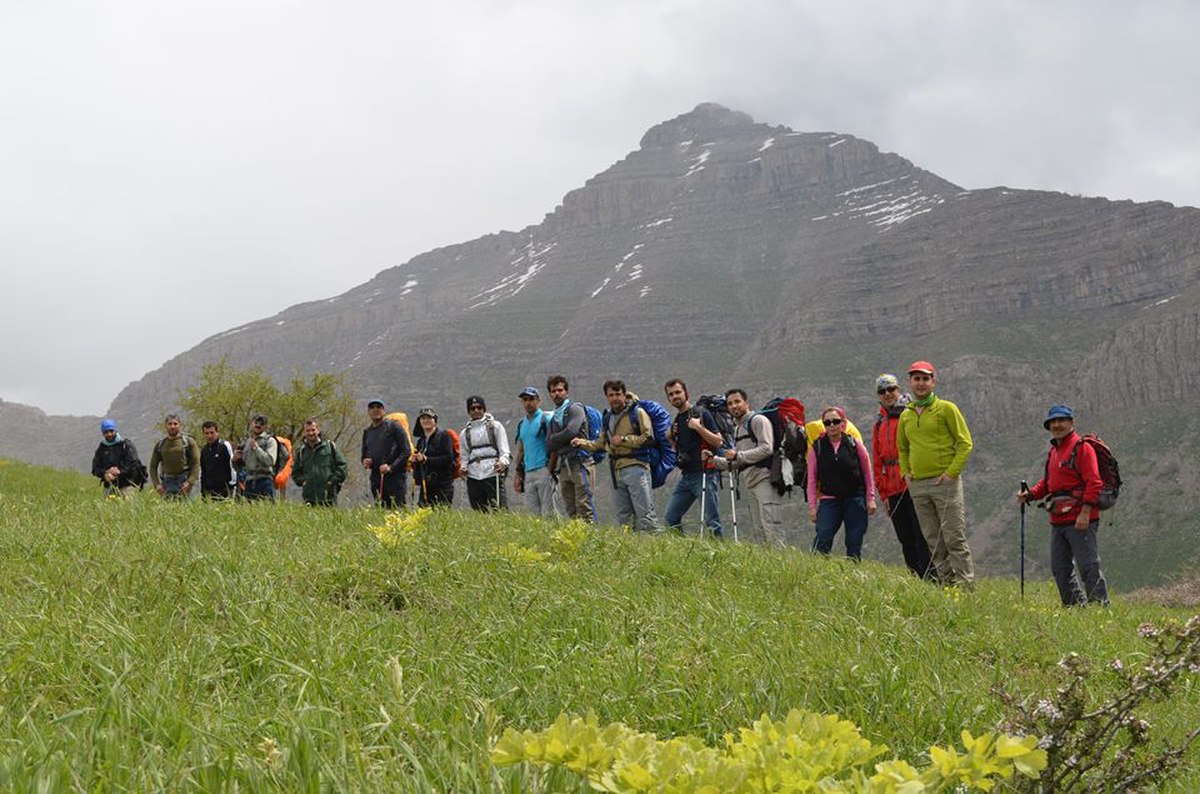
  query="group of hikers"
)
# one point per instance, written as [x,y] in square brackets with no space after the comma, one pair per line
[918,450]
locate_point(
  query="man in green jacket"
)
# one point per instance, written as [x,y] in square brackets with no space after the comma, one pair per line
[934,444]
[319,468]
[178,457]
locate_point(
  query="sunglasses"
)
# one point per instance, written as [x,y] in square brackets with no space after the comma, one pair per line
[831,422]
[889,389]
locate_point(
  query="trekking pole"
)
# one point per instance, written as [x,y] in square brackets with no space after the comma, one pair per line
[703,495]
[1024,490]
[733,502]
[497,490]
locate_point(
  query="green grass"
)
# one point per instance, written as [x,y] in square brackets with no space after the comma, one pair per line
[149,646]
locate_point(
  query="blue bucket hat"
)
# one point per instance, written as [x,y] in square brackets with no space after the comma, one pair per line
[107,425]
[1058,412]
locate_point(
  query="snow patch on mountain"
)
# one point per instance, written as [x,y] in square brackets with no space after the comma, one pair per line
[527,265]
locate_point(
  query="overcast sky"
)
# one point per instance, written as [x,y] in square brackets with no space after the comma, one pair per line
[172,170]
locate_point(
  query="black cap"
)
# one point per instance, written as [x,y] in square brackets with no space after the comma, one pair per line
[475,400]
[261,419]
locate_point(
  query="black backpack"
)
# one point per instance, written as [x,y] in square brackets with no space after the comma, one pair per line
[282,456]
[789,461]
[716,405]
[138,474]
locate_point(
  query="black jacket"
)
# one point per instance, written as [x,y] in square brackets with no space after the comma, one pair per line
[386,443]
[124,456]
[439,449]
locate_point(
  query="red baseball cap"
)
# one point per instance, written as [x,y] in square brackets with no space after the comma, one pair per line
[922,366]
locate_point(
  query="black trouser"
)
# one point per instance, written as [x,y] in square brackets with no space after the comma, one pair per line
[435,493]
[217,492]
[1067,545]
[391,484]
[908,532]
[482,493]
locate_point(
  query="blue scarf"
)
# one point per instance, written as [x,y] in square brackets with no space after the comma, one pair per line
[116,440]
[561,411]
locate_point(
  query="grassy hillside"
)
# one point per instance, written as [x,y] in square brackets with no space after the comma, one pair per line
[146,645]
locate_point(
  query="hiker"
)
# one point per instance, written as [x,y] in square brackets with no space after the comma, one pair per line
[530,456]
[1071,484]
[574,468]
[625,430]
[116,462]
[893,490]
[693,431]
[319,467]
[484,450]
[217,476]
[257,457]
[934,444]
[179,458]
[753,447]
[433,462]
[385,453]
[841,486]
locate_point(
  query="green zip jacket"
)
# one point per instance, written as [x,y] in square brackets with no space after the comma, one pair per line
[933,442]
[320,470]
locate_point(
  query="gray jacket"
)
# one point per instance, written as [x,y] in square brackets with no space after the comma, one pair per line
[751,453]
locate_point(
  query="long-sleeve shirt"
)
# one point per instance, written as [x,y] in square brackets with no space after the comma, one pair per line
[177,456]
[618,437]
[933,442]
[572,425]
[258,456]
[754,442]
[482,443]
[1075,486]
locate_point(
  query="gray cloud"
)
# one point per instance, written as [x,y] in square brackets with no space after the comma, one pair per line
[170,172]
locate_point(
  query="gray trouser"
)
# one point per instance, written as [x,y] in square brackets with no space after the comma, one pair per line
[942,514]
[539,493]
[635,499]
[767,510]
[1066,544]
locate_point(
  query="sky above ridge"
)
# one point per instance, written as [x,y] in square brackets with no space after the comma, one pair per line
[169,171]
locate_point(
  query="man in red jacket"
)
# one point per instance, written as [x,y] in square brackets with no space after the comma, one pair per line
[1071,487]
[893,490]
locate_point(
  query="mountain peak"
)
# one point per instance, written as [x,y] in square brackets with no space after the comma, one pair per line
[705,121]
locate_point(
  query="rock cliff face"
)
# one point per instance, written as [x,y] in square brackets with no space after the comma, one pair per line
[729,252]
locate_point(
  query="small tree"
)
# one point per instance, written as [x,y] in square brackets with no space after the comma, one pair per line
[231,397]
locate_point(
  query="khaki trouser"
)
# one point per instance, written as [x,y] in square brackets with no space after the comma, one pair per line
[766,508]
[942,515]
[576,482]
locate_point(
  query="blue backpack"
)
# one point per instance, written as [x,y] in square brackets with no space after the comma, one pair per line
[661,454]
[595,420]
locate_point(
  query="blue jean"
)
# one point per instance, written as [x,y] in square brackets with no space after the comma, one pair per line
[260,488]
[687,491]
[831,514]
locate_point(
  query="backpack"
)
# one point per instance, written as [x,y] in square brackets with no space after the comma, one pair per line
[491,441]
[660,454]
[595,420]
[716,405]
[283,455]
[456,470]
[401,418]
[1110,470]
[789,463]
[138,474]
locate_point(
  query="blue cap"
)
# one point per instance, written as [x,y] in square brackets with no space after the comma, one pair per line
[1058,412]
[530,391]
[107,425]
[375,401]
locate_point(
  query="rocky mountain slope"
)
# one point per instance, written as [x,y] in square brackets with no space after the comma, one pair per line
[730,252]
